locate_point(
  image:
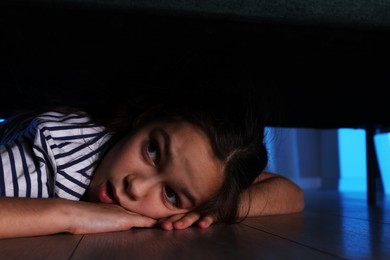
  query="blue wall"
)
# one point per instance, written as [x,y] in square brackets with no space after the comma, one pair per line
[353,163]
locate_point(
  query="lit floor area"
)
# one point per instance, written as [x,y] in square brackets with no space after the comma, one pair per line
[333,225]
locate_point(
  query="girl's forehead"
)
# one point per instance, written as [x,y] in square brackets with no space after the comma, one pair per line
[192,160]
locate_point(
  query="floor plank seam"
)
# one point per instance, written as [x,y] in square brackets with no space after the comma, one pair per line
[75,248]
[295,242]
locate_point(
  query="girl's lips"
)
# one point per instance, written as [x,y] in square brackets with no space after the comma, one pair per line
[106,194]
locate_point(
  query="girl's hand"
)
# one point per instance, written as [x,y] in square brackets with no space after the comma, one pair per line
[181,221]
[99,217]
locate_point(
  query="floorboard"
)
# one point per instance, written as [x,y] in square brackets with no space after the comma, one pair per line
[333,226]
[348,204]
[344,237]
[219,242]
[56,247]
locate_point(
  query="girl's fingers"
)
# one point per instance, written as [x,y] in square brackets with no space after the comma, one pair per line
[167,223]
[205,221]
[186,221]
[179,221]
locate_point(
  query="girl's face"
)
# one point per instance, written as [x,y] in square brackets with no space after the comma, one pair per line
[160,170]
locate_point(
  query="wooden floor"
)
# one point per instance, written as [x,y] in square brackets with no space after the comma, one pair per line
[332,226]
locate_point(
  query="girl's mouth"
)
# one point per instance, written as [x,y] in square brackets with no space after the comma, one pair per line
[106,194]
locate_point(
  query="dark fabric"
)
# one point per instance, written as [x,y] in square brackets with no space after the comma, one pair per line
[349,13]
[327,61]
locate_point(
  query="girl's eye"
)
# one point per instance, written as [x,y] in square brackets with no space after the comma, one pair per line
[153,151]
[171,197]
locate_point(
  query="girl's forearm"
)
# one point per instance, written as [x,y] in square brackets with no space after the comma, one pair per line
[21,217]
[271,195]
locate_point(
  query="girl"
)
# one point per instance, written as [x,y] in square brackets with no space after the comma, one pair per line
[172,160]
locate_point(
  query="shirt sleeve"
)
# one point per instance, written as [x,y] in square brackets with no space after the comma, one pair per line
[54,156]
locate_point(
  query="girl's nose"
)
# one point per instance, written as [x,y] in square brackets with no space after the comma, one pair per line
[139,187]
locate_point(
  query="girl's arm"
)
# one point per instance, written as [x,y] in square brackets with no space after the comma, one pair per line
[21,217]
[270,194]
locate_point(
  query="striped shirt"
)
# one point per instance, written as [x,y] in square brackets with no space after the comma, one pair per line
[54,156]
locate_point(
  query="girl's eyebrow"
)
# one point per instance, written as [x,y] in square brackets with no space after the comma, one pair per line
[168,156]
